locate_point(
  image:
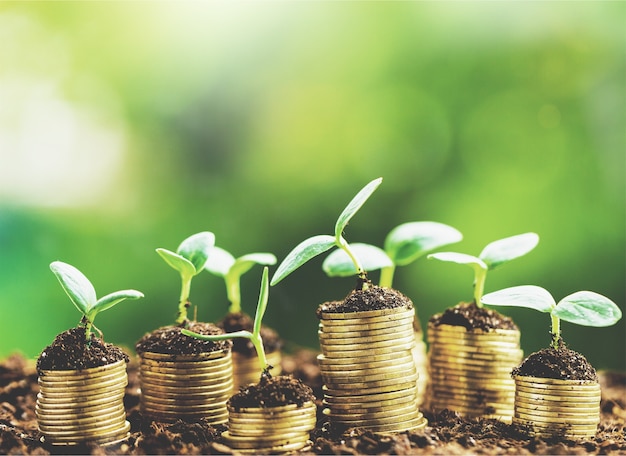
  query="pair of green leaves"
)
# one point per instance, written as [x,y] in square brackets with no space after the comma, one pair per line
[582,308]
[316,245]
[83,295]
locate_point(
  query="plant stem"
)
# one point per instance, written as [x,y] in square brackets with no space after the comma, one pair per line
[479,285]
[556,331]
[184,300]
[360,272]
[260,351]
[234,295]
[386,276]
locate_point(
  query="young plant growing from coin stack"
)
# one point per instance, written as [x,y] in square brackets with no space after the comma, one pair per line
[83,379]
[183,378]
[473,349]
[366,339]
[275,415]
[557,391]
[223,264]
[403,245]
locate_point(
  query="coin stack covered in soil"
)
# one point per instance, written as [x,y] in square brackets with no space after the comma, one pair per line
[368,369]
[86,405]
[470,370]
[554,407]
[246,369]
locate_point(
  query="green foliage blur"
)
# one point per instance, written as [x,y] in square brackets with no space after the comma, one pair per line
[127,126]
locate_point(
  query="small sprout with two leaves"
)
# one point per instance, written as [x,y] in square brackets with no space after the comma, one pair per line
[189,260]
[82,293]
[255,335]
[222,264]
[316,245]
[403,245]
[493,255]
[584,308]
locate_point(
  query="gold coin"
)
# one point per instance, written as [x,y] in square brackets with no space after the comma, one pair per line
[584,394]
[437,351]
[64,382]
[186,357]
[269,438]
[476,337]
[238,444]
[147,382]
[567,409]
[76,427]
[355,391]
[367,407]
[121,364]
[327,366]
[341,332]
[254,432]
[501,405]
[366,359]
[341,328]
[399,410]
[581,419]
[470,394]
[360,371]
[176,372]
[544,387]
[554,381]
[367,314]
[365,345]
[116,414]
[84,386]
[72,398]
[109,436]
[478,346]
[487,370]
[557,427]
[369,399]
[191,403]
[357,339]
[483,382]
[353,421]
[392,380]
[469,363]
[75,409]
[274,409]
[87,432]
[546,399]
[196,376]
[273,425]
[412,425]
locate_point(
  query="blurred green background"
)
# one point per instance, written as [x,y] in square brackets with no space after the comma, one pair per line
[128,126]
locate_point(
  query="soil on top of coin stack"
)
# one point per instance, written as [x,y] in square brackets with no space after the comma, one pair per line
[238,321]
[371,298]
[169,340]
[558,363]
[470,316]
[72,350]
[272,392]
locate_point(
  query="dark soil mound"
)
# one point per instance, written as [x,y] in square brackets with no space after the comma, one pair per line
[561,363]
[272,392]
[240,321]
[469,315]
[71,350]
[170,341]
[373,298]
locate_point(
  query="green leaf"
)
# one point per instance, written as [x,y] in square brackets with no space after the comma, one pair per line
[108,301]
[262,303]
[529,296]
[182,265]
[339,264]
[219,262]
[302,253]
[460,258]
[354,205]
[588,309]
[503,250]
[79,289]
[196,248]
[409,241]
[244,263]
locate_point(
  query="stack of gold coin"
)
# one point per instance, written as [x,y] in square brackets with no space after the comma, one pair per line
[420,356]
[470,371]
[246,369]
[368,369]
[187,387]
[553,407]
[270,430]
[75,406]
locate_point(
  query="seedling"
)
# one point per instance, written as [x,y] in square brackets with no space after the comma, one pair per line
[316,245]
[582,308]
[255,335]
[493,255]
[82,293]
[189,260]
[222,264]
[403,245]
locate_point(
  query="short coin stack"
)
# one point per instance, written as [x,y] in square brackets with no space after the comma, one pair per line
[569,408]
[246,369]
[75,406]
[187,387]
[470,371]
[270,430]
[367,364]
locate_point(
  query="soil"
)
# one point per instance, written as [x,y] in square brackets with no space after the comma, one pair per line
[239,321]
[469,315]
[72,350]
[272,392]
[372,298]
[560,363]
[170,341]
[446,434]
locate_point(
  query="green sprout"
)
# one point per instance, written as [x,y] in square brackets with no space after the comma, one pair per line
[403,245]
[82,293]
[189,260]
[222,264]
[319,244]
[493,255]
[584,308]
[255,335]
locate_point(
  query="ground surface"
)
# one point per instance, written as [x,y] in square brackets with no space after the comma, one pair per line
[447,434]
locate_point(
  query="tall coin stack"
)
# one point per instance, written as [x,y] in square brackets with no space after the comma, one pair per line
[270,430]
[75,406]
[368,369]
[246,369]
[470,371]
[187,387]
[568,408]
